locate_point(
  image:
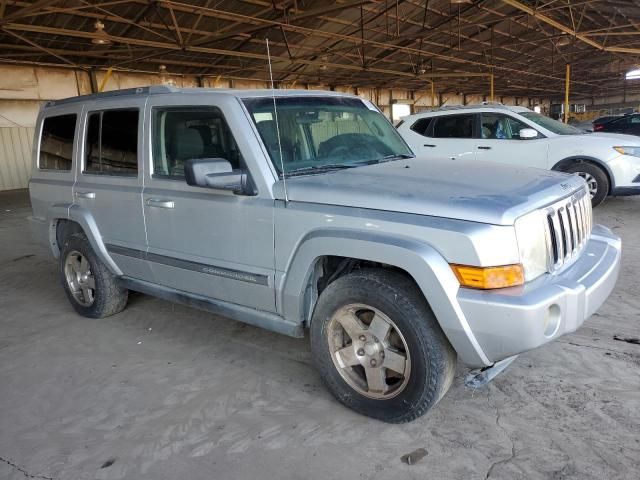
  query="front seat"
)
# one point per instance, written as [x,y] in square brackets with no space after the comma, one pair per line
[186,143]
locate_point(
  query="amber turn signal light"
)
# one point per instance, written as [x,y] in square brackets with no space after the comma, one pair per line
[489,277]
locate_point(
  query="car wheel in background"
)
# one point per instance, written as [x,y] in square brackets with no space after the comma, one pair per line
[596,178]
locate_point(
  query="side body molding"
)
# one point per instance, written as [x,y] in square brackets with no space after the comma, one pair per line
[425,264]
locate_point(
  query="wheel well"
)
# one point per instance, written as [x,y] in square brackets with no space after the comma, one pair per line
[562,166]
[64,228]
[329,268]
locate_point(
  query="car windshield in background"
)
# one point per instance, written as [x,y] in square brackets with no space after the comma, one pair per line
[319,134]
[552,125]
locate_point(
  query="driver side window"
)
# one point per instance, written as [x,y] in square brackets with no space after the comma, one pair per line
[183,133]
[497,126]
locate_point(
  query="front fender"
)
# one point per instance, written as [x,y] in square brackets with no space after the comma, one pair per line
[421,261]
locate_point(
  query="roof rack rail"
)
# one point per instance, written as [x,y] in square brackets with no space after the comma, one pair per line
[153,89]
[470,106]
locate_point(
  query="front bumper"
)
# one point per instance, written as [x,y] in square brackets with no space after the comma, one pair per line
[624,171]
[510,321]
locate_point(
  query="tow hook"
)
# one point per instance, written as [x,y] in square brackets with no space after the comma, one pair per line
[480,377]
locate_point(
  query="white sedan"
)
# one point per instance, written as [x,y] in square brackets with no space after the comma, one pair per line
[610,163]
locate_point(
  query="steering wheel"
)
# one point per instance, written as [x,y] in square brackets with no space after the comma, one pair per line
[357,150]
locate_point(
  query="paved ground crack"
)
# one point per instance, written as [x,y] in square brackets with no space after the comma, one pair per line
[22,470]
[513,445]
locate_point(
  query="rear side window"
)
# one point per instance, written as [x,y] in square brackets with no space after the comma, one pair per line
[422,126]
[112,142]
[183,133]
[56,142]
[453,126]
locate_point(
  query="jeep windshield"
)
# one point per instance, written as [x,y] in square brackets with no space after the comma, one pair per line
[324,133]
[552,125]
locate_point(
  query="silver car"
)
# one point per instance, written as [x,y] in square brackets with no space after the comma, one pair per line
[305,211]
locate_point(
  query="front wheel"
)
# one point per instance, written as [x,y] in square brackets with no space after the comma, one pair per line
[596,178]
[378,346]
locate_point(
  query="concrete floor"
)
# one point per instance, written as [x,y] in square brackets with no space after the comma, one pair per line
[164,392]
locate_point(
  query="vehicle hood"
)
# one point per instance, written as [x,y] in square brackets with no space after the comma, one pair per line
[616,139]
[476,191]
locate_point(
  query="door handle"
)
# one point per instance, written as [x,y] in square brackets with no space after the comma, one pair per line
[160,203]
[482,147]
[428,145]
[85,195]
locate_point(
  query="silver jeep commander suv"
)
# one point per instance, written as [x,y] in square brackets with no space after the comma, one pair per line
[299,209]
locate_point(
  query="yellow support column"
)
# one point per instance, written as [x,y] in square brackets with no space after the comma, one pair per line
[566,93]
[433,94]
[106,78]
[491,87]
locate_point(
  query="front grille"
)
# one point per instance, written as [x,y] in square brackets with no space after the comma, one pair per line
[568,228]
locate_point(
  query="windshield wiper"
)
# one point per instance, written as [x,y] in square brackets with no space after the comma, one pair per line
[388,158]
[320,168]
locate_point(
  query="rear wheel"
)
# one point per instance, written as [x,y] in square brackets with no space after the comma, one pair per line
[378,346]
[91,288]
[596,178]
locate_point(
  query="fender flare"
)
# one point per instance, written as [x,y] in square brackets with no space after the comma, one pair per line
[82,217]
[569,160]
[421,261]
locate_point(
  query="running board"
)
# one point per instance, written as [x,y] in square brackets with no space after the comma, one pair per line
[257,318]
[479,378]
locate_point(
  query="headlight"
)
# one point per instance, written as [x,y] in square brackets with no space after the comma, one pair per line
[532,243]
[633,151]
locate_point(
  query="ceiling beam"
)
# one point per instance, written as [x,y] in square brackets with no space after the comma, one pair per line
[563,28]
[27,10]
[312,12]
[263,57]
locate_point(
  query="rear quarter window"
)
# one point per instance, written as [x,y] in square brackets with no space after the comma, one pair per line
[56,142]
[422,126]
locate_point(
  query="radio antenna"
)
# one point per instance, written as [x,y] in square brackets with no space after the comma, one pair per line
[275,115]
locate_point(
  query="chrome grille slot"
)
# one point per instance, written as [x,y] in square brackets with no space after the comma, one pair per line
[568,228]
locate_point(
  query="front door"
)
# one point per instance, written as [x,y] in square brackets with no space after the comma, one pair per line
[499,141]
[210,242]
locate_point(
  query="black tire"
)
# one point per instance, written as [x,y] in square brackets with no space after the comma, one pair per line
[108,298]
[433,360]
[598,174]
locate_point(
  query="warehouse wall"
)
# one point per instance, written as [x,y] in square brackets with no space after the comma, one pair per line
[24,88]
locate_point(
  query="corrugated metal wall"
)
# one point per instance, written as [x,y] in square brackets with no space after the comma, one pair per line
[15,157]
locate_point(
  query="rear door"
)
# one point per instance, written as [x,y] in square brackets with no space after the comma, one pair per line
[500,142]
[109,180]
[448,136]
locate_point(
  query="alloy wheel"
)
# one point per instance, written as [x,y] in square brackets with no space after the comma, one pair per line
[80,279]
[369,351]
[592,183]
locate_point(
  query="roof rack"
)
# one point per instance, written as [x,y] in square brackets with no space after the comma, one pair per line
[470,106]
[153,89]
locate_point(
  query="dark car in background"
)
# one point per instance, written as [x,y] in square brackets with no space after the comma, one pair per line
[628,124]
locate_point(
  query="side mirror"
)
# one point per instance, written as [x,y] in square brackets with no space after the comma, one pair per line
[216,173]
[528,134]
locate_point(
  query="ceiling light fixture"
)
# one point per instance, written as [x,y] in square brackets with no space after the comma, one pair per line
[633,74]
[563,40]
[100,37]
